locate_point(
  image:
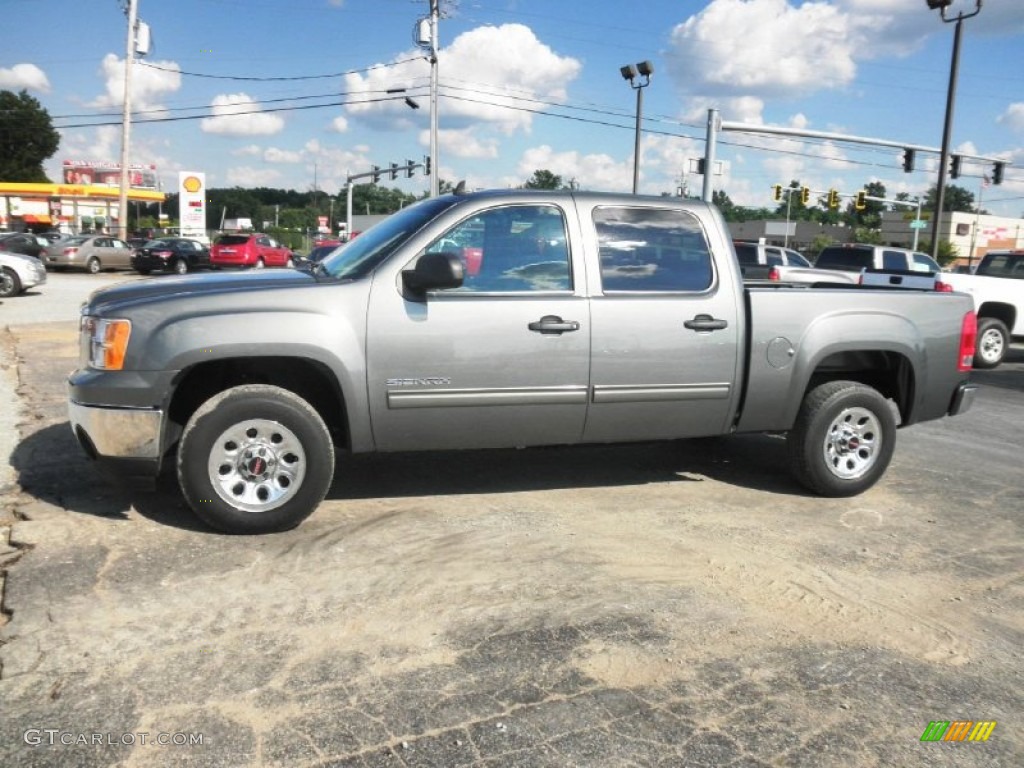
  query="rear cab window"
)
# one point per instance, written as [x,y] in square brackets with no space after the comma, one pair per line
[845,259]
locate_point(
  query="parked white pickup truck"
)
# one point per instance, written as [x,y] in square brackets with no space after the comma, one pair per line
[997,287]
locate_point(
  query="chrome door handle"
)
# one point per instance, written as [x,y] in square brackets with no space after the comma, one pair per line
[553,324]
[705,323]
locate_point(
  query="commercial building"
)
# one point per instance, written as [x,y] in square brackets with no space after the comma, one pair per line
[68,208]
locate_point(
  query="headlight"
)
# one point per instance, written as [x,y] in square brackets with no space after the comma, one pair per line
[105,342]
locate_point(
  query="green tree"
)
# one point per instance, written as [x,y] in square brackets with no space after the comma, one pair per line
[27,138]
[544,179]
[955,199]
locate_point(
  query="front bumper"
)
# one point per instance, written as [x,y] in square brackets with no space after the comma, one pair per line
[117,433]
[963,398]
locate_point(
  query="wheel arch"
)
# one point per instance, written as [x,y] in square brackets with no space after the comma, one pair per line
[310,379]
[999,310]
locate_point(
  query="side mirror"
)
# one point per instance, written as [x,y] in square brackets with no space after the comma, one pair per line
[434,271]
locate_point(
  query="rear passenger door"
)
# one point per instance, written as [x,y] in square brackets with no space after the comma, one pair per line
[665,329]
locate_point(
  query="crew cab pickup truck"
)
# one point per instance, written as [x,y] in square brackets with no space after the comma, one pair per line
[997,287]
[591,318]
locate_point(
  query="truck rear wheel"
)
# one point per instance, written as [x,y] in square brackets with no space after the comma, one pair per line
[843,439]
[255,459]
[993,339]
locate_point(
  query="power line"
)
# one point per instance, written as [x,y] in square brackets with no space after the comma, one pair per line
[277,79]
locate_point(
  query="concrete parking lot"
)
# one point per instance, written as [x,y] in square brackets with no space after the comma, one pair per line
[680,604]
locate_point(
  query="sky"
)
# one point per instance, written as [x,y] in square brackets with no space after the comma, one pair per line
[294,94]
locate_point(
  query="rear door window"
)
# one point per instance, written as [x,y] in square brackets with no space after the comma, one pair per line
[651,249]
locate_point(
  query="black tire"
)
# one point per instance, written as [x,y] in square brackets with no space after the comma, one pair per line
[993,341]
[290,264]
[255,459]
[93,266]
[260,264]
[180,267]
[143,271]
[843,439]
[10,284]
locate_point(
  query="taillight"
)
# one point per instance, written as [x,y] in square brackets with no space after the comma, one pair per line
[968,340]
[773,274]
[70,251]
[943,287]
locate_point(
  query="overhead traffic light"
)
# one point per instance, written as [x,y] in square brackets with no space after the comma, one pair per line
[859,202]
[997,173]
[394,171]
[426,165]
[833,198]
[908,160]
[777,192]
[805,195]
[408,168]
[954,167]
[376,174]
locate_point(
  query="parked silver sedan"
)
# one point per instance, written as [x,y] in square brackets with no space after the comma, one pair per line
[92,253]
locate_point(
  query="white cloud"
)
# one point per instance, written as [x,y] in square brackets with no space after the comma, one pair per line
[339,124]
[463,143]
[785,49]
[149,84]
[24,76]
[247,176]
[274,155]
[593,171]
[248,149]
[505,64]
[1013,117]
[238,114]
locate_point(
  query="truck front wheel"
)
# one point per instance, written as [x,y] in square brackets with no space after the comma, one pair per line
[255,459]
[843,439]
[993,339]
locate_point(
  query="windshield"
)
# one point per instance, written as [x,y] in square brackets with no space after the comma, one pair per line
[360,256]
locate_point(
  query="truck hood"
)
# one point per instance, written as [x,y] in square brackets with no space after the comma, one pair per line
[160,289]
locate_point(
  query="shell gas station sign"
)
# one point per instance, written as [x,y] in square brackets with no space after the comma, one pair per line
[192,202]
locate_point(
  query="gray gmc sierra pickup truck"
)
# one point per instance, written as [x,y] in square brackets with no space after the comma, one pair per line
[501,319]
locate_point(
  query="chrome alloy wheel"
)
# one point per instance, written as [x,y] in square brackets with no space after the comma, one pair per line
[853,442]
[990,345]
[257,465]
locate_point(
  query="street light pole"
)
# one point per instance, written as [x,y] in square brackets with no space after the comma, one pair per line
[947,130]
[643,69]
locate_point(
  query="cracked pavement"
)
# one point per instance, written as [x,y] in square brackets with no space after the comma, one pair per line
[645,605]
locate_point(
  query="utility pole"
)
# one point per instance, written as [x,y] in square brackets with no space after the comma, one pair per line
[435,12]
[126,121]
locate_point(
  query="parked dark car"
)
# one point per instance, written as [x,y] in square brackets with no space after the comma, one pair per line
[171,254]
[22,242]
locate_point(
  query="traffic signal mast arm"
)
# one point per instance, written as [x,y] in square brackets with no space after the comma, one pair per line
[391,171]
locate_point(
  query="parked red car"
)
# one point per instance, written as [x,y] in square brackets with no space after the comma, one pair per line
[250,250]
